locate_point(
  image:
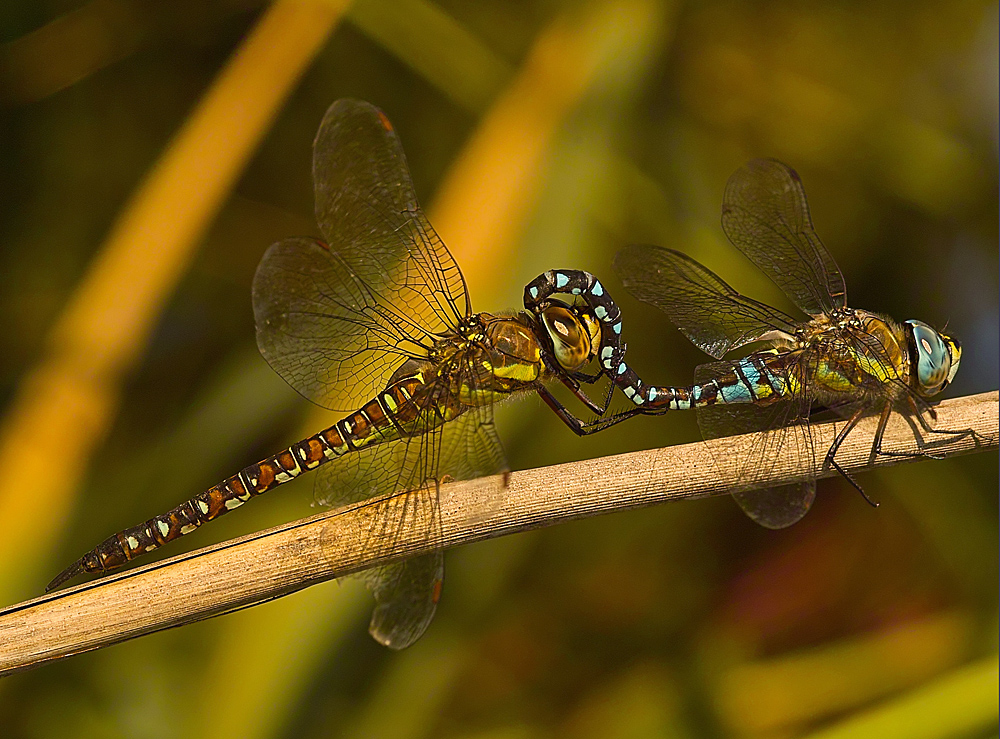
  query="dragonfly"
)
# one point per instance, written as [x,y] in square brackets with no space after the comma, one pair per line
[376,320]
[852,361]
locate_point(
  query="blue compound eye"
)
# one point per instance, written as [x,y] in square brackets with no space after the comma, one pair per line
[933,358]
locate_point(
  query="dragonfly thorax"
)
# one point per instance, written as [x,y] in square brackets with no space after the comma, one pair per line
[836,322]
[469,333]
[505,353]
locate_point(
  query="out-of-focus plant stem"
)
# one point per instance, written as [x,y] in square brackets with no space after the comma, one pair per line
[66,403]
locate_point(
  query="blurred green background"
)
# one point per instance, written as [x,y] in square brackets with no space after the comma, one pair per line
[685,620]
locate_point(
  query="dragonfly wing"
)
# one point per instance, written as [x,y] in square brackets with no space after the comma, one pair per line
[324,331]
[470,446]
[334,319]
[367,209]
[714,316]
[766,216]
[778,507]
[461,449]
[406,597]
[782,429]
[406,593]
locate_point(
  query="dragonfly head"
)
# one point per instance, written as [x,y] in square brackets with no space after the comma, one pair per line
[574,332]
[934,357]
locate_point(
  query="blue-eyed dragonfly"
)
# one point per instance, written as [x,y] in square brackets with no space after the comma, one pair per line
[849,360]
[376,320]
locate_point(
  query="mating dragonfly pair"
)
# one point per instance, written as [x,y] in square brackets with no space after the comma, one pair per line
[377,321]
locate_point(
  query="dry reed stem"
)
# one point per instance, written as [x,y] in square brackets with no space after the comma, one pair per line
[282,560]
[104,327]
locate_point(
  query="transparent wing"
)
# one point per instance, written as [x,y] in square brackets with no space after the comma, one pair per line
[464,448]
[766,216]
[406,593]
[368,211]
[470,446]
[709,312]
[324,331]
[335,319]
[406,596]
[782,426]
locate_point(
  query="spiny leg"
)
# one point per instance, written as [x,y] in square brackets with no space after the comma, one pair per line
[598,409]
[878,451]
[578,427]
[588,378]
[577,391]
[954,434]
[572,381]
[831,453]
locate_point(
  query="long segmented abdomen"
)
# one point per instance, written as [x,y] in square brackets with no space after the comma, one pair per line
[383,418]
[758,378]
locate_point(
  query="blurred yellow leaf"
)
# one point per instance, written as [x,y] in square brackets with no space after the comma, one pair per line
[962,703]
[762,696]
[65,404]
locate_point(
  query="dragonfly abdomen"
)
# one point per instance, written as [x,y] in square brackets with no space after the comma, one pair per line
[218,500]
[754,379]
[383,418]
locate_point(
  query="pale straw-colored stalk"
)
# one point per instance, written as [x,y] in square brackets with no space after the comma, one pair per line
[287,558]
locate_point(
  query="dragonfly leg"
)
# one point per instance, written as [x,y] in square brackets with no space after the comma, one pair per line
[574,386]
[952,434]
[601,409]
[573,380]
[588,378]
[578,427]
[877,450]
[831,453]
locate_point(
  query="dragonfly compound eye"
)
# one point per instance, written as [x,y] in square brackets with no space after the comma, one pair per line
[935,357]
[955,350]
[571,342]
[593,327]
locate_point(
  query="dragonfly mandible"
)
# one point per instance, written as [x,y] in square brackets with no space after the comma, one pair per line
[853,361]
[376,320]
